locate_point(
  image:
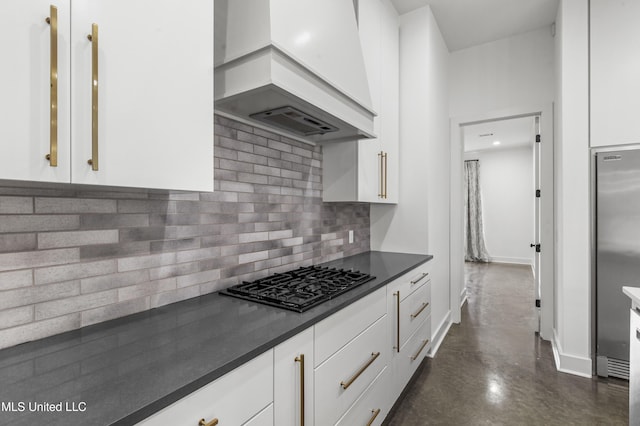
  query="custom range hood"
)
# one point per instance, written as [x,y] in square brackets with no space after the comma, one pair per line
[294,65]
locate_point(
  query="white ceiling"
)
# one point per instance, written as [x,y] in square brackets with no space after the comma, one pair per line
[512,133]
[466,23]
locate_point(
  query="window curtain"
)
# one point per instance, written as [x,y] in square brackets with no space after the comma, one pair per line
[475,249]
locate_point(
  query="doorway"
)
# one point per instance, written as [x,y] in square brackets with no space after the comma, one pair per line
[536,248]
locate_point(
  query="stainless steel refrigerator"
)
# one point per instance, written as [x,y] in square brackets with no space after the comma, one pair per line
[617,256]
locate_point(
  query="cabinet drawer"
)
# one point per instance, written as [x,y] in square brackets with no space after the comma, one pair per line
[413,311]
[263,418]
[411,281]
[407,361]
[373,404]
[334,332]
[354,367]
[233,398]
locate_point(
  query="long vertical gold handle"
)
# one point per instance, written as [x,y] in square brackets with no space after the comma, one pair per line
[373,417]
[52,20]
[93,38]
[385,175]
[381,193]
[203,422]
[397,347]
[300,359]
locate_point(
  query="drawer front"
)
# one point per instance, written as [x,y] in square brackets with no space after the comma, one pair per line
[411,281]
[334,332]
[407,361]
[355,366]
[413,311]
[264,418]
[233,399]
[373,405]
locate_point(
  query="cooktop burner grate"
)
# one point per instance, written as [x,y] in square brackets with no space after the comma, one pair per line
[300,289]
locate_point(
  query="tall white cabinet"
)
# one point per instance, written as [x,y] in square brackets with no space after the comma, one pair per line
[367,170]
[134,104]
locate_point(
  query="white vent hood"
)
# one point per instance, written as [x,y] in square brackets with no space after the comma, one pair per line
[295,65]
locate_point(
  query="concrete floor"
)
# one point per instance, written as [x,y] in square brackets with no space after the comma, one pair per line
[492,369]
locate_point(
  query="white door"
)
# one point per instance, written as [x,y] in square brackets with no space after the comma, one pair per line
[545,224]
[155,93]
[28,97]
[536,215]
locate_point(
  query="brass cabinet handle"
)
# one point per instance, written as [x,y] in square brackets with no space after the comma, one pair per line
[373,417]
[397,347]
[52,20]
[348,383]
[93,38]
[424,343]
[203,422]
[300,359]
[638,333]
[422,308]
[384,156]
[381,193]
[424,274]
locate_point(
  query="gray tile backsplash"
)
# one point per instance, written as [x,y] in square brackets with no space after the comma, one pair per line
[71,257]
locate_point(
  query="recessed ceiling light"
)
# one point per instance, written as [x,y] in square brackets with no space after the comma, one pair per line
[496,142]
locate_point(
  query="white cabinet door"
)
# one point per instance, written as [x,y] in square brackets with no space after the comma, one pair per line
[155,93]
[293,369]
[615,87]
[25,84]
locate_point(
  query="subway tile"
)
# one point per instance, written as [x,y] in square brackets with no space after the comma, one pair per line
[265,133]
[219,196]
[293,158]
[291,174]
[253,236]
[16,205]
[74,271]
[144,262]
[147,206]
[277,235]
[17,242]
[174,270]
[147,233]
[237,186]
[175,245]
[219,262]
[146,289]
[220,240]
[236,144]
[279,181]
[252,158]
[35,294]
[253,178]
[116,310]
[48,240]
[99,251]
[302,152]
[252,138]
[37,330]
[198,254]
[236,270]
[110,221]
[198,278]
[253,198]
[174,195]
[236,228]
[280,146]
[226,153]
[16,316]
[221,175]
[111,281]
[252,217]
[266,170]
[173,219]
[34,259]
[218,218]
[34,223]
[226,131]
[273,154]
[74,205]
[197,230]
[168,297]
[16,279]
[69,305]
[253,257]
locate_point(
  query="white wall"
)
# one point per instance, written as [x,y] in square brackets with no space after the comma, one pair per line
[511,72]
[420,222]
[506,182]
[573,262]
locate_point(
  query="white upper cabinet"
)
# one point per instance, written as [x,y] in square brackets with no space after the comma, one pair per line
[139,104]
[615,87]
[25,84]
[367,170]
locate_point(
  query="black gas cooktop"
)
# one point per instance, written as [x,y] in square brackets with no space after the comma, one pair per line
[300,289]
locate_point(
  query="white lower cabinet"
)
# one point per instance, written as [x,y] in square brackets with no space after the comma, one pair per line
[293,380]
[342,378]
[263,418]
[373,406]
[233,399]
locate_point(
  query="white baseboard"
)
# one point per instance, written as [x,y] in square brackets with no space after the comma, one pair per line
[463,297]
[439,335]
[571,364]
[514,260]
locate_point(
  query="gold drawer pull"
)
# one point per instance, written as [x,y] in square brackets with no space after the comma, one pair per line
[52,20]
[381,192]
[300,359]
[203,422]
[422,308]
[93,38]
[384,194]
[424,343]
[424,274]
[397,347]
[348,383]
[375,414]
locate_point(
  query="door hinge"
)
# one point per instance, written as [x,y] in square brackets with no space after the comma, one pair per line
[537,193]
[537,246]
[537,303]
[537,138]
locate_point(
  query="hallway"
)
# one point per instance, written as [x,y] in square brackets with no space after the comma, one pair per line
[493,369]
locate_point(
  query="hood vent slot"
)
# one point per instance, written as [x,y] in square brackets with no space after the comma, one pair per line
[294,120]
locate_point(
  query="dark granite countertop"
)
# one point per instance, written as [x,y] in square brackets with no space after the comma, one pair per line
[127,369]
